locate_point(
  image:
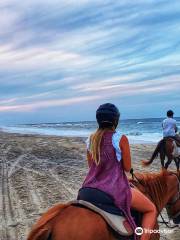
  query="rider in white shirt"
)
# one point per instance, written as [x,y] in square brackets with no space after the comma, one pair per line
[169,126]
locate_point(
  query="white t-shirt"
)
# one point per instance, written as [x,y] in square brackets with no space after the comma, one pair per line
[169,126]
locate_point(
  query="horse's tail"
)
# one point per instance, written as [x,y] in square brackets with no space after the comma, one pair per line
[159,147]
[42,228]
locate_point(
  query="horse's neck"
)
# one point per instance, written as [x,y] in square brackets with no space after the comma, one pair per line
[172,187]
[160,190]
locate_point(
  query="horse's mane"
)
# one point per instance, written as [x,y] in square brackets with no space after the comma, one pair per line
[154,185]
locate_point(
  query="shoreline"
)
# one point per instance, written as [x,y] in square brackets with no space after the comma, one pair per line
[72,136]
[38,171]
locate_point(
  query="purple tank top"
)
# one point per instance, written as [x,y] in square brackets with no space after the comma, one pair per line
[110,177]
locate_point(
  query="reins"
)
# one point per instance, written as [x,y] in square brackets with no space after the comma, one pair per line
[159,212]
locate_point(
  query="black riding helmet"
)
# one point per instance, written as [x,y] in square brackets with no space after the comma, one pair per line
[107,115]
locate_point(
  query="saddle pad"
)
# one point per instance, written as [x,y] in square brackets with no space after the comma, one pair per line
[117,223]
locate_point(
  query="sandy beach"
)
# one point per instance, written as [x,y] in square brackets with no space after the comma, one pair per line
[37,172]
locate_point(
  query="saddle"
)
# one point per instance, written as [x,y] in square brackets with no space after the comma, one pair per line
[102,204]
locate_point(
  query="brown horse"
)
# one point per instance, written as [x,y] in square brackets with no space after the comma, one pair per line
[165,148]
[67,222]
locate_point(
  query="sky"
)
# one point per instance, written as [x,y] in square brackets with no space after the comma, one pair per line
[61,59]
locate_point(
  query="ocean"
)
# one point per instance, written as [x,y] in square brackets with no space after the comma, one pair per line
[147,130]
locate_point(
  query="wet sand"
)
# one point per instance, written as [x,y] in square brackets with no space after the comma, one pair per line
[37,172]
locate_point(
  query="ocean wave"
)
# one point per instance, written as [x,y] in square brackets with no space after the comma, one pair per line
[134,137]
[141,130]
[139,122]
[134,134]
[48,131]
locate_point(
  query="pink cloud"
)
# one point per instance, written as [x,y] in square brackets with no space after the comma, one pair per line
[46,104]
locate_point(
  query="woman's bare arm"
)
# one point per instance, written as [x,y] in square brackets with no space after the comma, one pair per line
[126,154]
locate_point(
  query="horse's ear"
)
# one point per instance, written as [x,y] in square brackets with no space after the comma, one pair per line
[41,234]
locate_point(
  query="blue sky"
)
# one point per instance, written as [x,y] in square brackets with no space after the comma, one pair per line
[60,59]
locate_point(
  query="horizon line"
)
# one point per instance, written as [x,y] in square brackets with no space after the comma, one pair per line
[124,119]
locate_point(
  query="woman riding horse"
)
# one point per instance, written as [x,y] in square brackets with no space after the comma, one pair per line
[108,154]
[68,222]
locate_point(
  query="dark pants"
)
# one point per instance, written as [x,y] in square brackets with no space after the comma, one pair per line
[99,199]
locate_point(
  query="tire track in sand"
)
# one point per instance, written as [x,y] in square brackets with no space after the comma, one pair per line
[8,218]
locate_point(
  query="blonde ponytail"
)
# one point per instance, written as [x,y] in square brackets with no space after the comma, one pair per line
[95,144]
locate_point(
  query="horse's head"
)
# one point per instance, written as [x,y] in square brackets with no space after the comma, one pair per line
[173,205]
